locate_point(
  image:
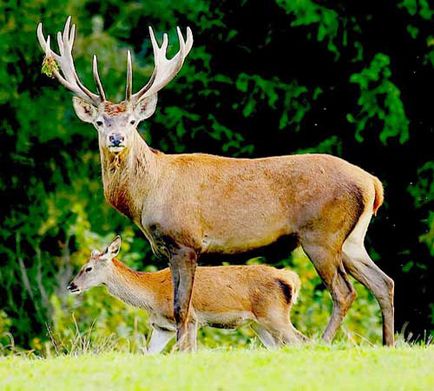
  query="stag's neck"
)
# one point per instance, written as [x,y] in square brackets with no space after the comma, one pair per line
[130,286]
[129,176]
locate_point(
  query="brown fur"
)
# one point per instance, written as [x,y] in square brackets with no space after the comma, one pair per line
[201,197]
[112,109]
[220,289]
[213,204]
[192,204]
[244,204]
[379,195]
[224,296]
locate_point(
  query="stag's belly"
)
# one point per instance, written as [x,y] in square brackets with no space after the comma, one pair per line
[248,230]
[243,243]
[239,253]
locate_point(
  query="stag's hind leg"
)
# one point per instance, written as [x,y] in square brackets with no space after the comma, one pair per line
[328,263]
[359,264]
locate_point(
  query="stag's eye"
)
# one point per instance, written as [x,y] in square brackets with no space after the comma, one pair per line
[132,122]
[99,123]
[88,269]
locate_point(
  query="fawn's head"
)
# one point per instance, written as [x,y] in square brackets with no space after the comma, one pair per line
[96,271]
[116,123]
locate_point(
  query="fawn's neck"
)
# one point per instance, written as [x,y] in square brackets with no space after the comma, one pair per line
[130,286]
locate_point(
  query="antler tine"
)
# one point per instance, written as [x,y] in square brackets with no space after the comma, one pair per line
[181,40]
[45,43]
[164,70]
[154,43]
[165,43]
[129,87]
[72,34]
[189,42]
[97,79]
[68,76]
[66,29]
[60,43]
[50,54]
[155,48]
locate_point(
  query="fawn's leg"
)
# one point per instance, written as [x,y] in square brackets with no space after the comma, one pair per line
[159,339]
[264,336]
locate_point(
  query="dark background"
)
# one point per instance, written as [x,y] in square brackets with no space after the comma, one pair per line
[264,78]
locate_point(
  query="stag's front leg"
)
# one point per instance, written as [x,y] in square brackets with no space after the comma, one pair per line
[183,263]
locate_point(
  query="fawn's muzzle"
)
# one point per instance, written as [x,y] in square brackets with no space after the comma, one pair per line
[73,288]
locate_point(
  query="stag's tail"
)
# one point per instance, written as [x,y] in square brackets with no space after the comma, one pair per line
[379,195]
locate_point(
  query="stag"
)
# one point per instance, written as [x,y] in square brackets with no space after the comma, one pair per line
[191,205]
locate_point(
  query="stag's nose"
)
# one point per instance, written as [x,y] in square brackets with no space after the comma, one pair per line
[71,286]
[116,139]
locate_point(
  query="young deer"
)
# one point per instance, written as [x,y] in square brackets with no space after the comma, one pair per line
[190,205]
[224,297]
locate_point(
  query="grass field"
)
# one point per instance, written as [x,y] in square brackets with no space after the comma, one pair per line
[304,368]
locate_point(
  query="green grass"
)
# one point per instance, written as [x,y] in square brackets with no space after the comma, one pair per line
[305,368]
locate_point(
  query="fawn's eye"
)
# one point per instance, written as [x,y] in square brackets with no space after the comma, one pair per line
[88,269]
[132,122]
[99,123]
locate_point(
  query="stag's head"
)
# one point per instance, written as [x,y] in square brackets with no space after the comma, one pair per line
[116,123]
[97,270]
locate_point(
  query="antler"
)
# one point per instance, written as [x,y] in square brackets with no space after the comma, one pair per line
[65,61]
[164,70]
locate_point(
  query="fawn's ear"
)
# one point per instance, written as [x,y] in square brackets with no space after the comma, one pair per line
[114,247]
[146,107]
[86,111]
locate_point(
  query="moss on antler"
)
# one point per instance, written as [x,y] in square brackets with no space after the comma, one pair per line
[49,66]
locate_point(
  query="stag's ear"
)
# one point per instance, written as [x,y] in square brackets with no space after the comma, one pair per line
[114,247]
[84,110]
[146,107]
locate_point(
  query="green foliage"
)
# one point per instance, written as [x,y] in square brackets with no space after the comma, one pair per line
[285,98]
[308,12]
[423,194]
[423,190]
[420,11]
[418,7]
[5,324]
[379,100]
[96,317]
[233,98]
